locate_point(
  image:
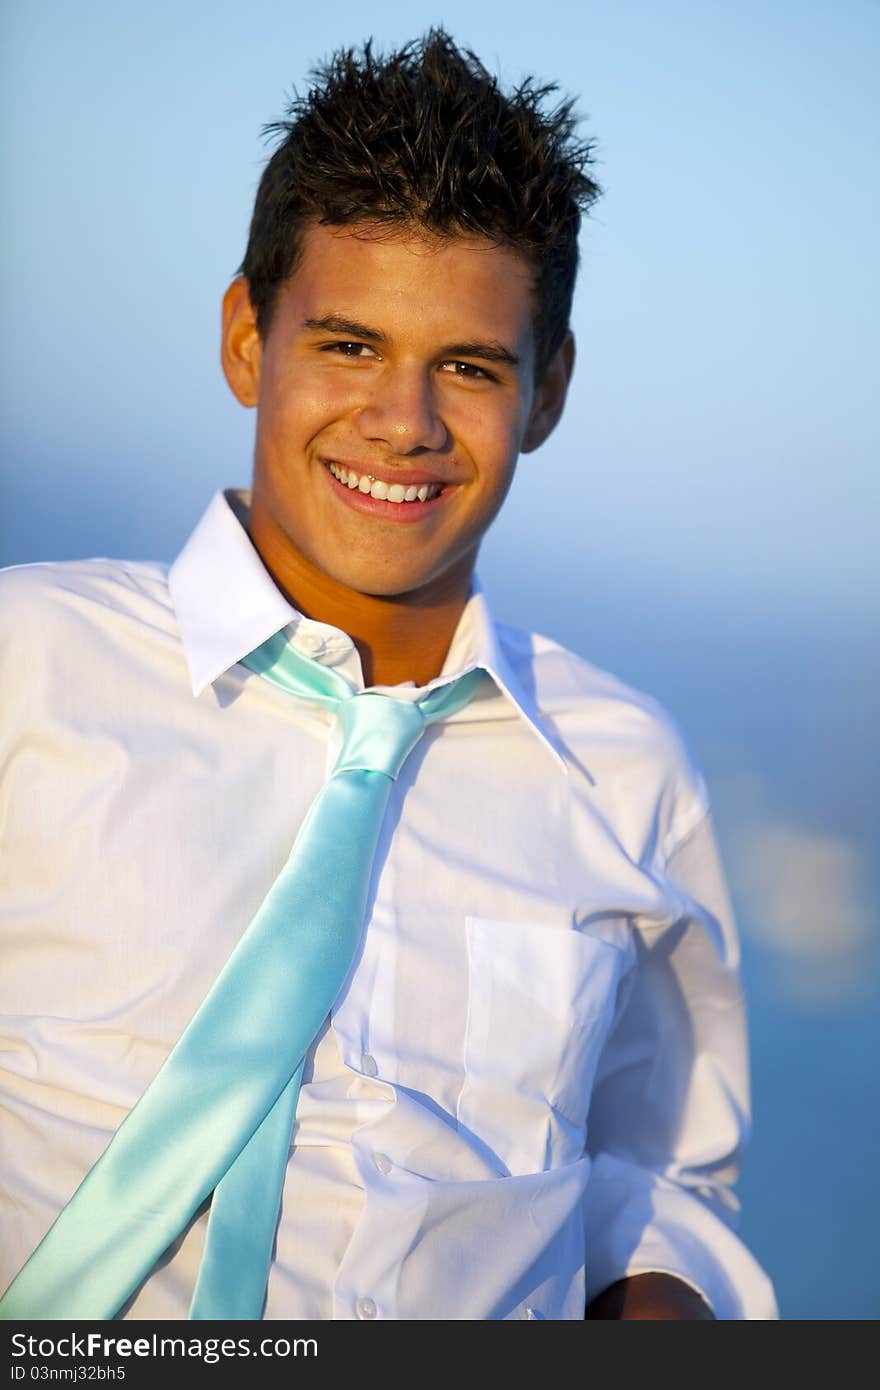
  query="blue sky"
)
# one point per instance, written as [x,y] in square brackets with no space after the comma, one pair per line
[703,521]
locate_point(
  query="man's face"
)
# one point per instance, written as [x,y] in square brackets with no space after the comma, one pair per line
[401,363]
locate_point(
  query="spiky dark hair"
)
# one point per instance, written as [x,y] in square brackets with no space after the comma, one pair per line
[425,136]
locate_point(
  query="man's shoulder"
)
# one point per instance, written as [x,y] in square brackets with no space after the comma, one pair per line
[617,732]
[568,685]
[58,601]
[87,586]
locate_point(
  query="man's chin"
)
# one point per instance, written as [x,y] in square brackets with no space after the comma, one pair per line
[404,584]
[391,588]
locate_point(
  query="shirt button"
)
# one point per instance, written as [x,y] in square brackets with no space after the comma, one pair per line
[382,1162]
[365,1308]
[335,653]
[368,1065]
[309,642]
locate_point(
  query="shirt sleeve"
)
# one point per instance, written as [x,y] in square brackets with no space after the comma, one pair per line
[670,1111]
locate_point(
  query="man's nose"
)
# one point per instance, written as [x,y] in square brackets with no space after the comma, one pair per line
[403,412]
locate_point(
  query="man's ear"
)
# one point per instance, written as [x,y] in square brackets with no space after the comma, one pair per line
[240,347]
[550,396]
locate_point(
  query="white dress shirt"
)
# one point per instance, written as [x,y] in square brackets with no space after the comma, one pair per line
[534,1081]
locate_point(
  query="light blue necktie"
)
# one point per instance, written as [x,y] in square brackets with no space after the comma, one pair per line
[218,1115]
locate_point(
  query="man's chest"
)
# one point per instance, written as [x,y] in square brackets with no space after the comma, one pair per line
[495,939]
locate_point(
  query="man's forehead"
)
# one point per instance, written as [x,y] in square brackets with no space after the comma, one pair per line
[377,275]
[418,236]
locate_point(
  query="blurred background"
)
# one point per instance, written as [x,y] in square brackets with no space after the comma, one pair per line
[704,521]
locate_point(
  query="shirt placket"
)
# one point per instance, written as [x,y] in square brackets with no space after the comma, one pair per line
[364,1023]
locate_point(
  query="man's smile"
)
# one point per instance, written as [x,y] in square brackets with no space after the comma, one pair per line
[401,495]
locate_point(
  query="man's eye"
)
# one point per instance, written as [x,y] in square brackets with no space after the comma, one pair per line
[467,371]
[347,349]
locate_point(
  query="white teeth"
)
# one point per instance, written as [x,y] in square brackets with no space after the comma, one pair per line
[390,492]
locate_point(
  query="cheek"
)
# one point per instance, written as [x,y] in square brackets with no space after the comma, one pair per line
[301,406]
[492,437]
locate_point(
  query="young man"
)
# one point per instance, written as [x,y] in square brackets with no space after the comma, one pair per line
[529,1096]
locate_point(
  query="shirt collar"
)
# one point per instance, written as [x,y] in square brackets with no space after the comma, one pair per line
[227,604]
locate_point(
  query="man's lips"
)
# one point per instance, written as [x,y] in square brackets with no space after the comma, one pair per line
[407,477]
[381,509]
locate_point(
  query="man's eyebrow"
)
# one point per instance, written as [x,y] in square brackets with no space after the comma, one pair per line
[335,323]
[486,352]
[489,352]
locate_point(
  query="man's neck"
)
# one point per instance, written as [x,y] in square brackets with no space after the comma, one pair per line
[398,638]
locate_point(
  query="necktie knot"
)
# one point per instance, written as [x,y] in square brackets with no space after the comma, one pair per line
[379,733]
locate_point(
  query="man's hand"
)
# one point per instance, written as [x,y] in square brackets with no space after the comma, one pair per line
[650,1298]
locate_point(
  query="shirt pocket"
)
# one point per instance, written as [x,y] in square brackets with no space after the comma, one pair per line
[540,1004]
